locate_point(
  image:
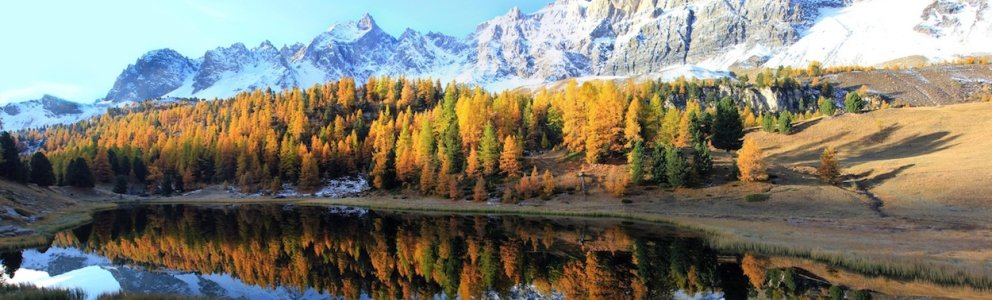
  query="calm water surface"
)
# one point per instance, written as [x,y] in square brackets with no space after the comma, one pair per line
[290,252]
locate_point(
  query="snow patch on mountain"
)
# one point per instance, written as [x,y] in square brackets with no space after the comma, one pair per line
[46,111]
[859,35]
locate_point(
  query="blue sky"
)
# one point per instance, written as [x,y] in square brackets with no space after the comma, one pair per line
[76,49]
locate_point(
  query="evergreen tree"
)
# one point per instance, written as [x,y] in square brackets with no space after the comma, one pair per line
[10,163]
[658,168]
[635,163]
[728,129]
[827,107]
[165,186]
[453,148]
[676,168]
[120,184]
[139,170]
[697,132]
[785,123]
[78,174]
[768,123]
[425,143]
[853,103]
[114,164]
[702,160]
[489,151]
[41,170]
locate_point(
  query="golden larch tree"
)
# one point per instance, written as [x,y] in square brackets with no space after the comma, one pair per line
[750,162]
[509,159]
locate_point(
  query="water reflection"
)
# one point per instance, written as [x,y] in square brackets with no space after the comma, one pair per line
[267,251]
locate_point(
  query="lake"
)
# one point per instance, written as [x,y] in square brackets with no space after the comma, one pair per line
[302,252]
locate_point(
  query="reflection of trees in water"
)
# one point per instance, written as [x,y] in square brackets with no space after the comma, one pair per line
[402,256]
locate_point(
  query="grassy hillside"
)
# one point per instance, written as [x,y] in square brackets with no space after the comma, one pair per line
[932,158]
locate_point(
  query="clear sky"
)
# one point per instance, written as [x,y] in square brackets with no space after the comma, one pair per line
[76,49]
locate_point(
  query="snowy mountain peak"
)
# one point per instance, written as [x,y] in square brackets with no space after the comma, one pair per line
[154,74]
[515,13]
[586,38]
[351,31]
[366,22]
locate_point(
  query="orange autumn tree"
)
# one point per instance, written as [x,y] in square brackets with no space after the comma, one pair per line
[750,162]
[509,160]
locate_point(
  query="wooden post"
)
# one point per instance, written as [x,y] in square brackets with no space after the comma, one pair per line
[582,182]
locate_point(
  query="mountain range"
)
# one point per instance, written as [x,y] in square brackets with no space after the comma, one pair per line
[585,39]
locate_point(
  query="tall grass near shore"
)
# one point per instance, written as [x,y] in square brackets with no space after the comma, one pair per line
[30,292]
[903,269]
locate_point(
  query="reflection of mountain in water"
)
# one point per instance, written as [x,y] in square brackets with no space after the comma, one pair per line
[388,256]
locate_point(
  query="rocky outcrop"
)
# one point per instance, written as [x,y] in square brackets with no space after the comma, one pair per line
[155,74]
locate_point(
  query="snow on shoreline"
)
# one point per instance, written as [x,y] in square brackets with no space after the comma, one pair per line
[334,188]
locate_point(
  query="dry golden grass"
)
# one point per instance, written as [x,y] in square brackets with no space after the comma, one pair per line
[914,158]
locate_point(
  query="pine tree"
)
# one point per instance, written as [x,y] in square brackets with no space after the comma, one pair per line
[827,107]
[750,162]
[702,161]
[41,170]
[453,149]
[658,173]
[78,174]
[697,131]
[728,131]
[785,123]
[768,123]
[828,169]
[10,163]
[425,143]
[676,168]
[139,170]
[635,163]
[489,151]
[853,103]
[120,184]
[509,159]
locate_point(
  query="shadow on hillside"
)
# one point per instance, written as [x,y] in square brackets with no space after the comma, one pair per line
[867,181]
[871,147]
[909,147]
[808,151]
[804,125]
